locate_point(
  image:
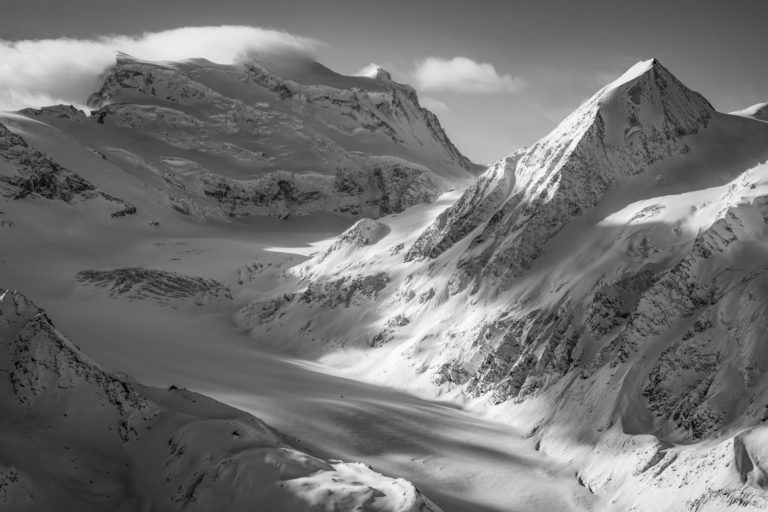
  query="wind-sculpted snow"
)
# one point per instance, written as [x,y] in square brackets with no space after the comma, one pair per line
[758,111]
[76,437]
[28,173]
[160,286]
[233,141]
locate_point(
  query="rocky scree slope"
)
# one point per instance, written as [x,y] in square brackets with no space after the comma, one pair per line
[76,437]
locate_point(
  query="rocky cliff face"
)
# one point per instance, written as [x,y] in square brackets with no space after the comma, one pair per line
[272,136]
[76,437]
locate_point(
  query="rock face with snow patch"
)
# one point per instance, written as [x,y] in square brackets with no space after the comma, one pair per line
[28,173]
[78,438]
[163,287]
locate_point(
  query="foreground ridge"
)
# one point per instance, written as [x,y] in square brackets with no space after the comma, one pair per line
[78,437]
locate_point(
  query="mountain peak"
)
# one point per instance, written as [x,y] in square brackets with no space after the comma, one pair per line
[641,118]
[637,70]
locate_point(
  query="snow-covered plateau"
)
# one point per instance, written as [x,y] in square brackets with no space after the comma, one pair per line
[580,327]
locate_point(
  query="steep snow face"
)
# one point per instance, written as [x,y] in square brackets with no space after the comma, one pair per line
[75,437]
[270,137]
[602,286]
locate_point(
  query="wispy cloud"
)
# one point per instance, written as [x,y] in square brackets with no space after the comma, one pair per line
[461,74]
[45,71]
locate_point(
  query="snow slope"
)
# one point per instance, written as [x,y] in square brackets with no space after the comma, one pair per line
[603,289]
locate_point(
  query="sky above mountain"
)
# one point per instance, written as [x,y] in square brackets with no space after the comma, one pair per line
[499,74]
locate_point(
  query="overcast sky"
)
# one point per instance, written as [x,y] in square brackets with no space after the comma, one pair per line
[499,74]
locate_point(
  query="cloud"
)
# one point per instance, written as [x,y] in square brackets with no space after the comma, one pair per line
[370,70]
[461,74]
[433,104]
[46,71]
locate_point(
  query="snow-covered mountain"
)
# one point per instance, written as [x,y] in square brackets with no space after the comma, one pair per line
[275,135]
[604,288]
[601,291]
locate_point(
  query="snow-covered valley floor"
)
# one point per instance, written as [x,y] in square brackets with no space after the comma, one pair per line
[460,461]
